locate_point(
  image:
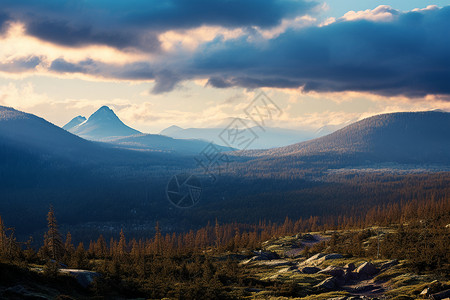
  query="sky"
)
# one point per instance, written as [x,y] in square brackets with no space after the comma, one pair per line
[198,63]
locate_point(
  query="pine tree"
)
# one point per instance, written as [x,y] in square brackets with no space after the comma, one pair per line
[3,239]
[158,244]
[68,245]
[52,239]
[122,248]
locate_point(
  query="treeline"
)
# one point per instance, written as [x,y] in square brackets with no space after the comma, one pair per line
[215,237]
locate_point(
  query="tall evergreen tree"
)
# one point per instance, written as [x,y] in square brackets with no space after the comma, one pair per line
[52,239]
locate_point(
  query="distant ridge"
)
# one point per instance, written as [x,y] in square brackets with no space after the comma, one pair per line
[103,124]
[398,137]
[32,134]
[171,130]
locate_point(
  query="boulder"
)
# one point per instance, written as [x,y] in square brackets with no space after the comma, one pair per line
[441,295]
[20,292]
[389,264]
[425,292]
[333,271]
[328,284]
[309,270]
[83,277]
[350,267]
[366,270]
[329,256]
[260,255]
[363,288]
[313,259]
[308,237]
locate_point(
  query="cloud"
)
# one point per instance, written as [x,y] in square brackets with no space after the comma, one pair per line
[4,22]
[63,33]
[382,51]
[409,55]
[20,65]
[381,13]
[137,23]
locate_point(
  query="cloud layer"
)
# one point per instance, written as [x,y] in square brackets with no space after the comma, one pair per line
[409,55]
[382,51]
[136,23]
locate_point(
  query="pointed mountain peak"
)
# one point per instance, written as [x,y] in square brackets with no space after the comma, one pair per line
[104,112]
[74,122]
[103,124]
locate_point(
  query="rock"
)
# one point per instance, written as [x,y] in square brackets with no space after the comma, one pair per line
[425,292]
[389,264]
[441,295]
[333,271]
[308,237]
[83,277]
[329,256]
[366,270]
[260,255]
[350,267]
[363,288]
[328,284]
[20,292]
[309,270]
[313,259]
[275,263]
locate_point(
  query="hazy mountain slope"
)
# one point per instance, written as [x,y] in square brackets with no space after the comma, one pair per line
[409,136]
[269,138]
[35,134]
[101,125]
[161,143]
[171,130]
[74,122]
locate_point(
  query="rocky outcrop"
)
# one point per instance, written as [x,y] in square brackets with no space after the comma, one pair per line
[441,295]
[389,264]
[20,292]
[83,277]
[333,271]
[261,255]
[329,256]
[309,270]
[312,261]
[366,270]
[328,284]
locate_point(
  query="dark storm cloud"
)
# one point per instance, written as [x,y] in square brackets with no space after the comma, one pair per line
[63,33]
[62,66]
[20,65]
[4,20]
[136,23]
[408,56]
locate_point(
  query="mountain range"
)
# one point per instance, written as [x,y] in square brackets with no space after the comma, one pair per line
[107,183]
[408,136]
[102,124]
[105,126]
[268,137]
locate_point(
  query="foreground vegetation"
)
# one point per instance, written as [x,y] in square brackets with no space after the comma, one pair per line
[234,261]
